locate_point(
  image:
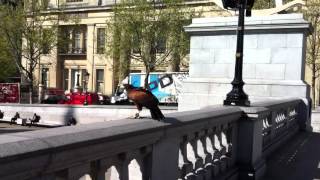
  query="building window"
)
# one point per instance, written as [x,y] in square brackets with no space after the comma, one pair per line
[161,45]
[72,40]
[74,78]
[46,41]
[101,40]
[44,77]
[100,80]
[77,42]
[66,79]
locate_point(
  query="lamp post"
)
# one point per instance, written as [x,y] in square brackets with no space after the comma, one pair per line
[77,87]
[78,79]
[237,96]
[86,79]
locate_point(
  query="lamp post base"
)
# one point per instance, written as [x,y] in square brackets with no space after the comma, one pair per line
[237,98]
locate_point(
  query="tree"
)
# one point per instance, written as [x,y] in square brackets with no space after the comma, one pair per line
[8,67]
[29,34]
[312,14]
[150,32]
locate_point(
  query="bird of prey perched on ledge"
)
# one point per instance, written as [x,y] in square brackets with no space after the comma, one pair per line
[144,98]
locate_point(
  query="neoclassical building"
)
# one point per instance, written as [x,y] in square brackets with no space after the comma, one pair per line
[85,52]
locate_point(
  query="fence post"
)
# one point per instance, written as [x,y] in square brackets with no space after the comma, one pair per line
[250,141]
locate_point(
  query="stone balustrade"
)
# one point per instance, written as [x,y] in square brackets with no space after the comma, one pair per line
[212,143]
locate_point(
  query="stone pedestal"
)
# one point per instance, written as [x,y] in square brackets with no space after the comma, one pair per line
[274,59]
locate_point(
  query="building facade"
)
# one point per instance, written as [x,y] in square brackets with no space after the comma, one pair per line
[84,51]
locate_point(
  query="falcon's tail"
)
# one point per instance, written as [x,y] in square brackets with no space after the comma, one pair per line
[156,113]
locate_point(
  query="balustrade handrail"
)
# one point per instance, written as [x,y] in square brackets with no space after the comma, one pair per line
[48,144]
[221,139]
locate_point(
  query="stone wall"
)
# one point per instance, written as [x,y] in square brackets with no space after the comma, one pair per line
[274,59]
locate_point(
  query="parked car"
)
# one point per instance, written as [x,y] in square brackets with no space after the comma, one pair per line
[103,99]
[54,99]
[120,96]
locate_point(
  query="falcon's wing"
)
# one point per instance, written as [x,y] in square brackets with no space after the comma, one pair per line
[143,97]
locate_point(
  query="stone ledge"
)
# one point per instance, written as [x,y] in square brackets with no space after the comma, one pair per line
[292,22]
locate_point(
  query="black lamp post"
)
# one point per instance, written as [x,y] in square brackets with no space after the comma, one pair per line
[86,79]
[237,96]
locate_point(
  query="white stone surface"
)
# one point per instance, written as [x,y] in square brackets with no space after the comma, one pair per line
[58,114]
[294,40]
[272,41]
[270,71]
[257,56]
[273,59]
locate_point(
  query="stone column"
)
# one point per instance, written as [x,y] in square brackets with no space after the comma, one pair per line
[274,59]
[40,93]
[91,48]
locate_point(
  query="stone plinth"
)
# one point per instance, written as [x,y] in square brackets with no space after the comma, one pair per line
[274,59]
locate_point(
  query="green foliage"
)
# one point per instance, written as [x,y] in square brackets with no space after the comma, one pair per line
[26,35]
[143,27]
[263,4]
[266,4]
[7,66]
[312,14]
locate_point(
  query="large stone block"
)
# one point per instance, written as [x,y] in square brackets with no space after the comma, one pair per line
[257,56]
[286,55]
[223,56]
[250,41]
[272,40]
[249,71]
[288,91]
[196,42]
[262,90]
[215,42]
[201,56]
[295,40]
[294,71]
[217,70]
[270,71]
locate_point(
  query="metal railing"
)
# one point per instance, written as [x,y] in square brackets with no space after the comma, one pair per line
[72,51]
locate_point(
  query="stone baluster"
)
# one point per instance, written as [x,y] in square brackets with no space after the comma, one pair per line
[227,134]
[198,164]
[223,150]
[273,125]
[77,172]
[216,153]
[287,117]
[122,167]
[207,156]
[145,162]
[102,167]
[232,135]
[187,167]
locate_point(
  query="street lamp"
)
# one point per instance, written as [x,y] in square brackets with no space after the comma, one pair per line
[237,96]
[86,79]
[78,79]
